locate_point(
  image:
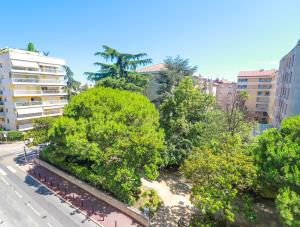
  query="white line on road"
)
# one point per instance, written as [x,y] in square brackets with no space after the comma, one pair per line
[3,172]
[11,169]
[18,194]
[33,209]
[49,224]
[4,180]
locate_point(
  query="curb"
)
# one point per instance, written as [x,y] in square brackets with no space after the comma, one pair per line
[66,201]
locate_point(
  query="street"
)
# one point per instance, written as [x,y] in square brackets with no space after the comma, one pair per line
[25,202]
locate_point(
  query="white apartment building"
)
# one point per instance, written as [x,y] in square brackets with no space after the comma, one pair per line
[287,101]
[31,86]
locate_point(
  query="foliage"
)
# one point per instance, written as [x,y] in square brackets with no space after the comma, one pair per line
[238,118]
[181,116]
[40,130]
[277,156]
[73,86]
[14,135]
[109,138]
[288,204]
[219,179]
[30,47]
[132,82]
[153,203]
[277,160]
[176,69]
[124,64]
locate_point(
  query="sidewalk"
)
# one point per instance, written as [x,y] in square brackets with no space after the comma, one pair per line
[96,209]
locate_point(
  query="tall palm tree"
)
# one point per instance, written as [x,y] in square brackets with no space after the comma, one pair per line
[124,64]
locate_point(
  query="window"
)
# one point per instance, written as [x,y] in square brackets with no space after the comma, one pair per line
[264,86]
[259,93]
[242,86]
[7,120]
[267,93]
[265,80]
[242,80]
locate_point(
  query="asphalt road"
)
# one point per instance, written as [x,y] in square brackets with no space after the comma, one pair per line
[24,202]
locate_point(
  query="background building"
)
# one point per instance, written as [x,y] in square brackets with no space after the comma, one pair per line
[31,86]
[287,101]
[225,93]
[260,86]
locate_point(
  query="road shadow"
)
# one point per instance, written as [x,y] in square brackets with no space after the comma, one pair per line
[39,188]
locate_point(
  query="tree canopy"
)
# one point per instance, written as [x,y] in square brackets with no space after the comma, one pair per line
[73,86]
[110,138]
[30,47]
[176,69]
[124,64]
[181,117]
[277,160]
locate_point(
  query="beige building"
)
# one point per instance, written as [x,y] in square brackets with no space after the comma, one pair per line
[31,86]
[260,86]
[225,93]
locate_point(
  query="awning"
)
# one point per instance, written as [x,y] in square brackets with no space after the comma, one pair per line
[25,64]
[30,110]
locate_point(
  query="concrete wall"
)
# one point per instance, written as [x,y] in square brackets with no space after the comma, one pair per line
[136,214]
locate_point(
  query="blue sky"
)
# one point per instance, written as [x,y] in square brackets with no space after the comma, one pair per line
[221,37]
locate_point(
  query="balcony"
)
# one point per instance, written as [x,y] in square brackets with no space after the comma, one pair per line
[25,127]
[25,104]
[53,92]
[1,103]
[55,102]
[39,92]
[2,113]
[37,71]
[29,115]
[36,81]
[52,112]
[27,92]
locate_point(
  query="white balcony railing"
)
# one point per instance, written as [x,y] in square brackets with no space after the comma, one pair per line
[30,115]
[55,102]
[39,92]
[38,81]
[32,103]
[52,112]
[25,126]
[27,92]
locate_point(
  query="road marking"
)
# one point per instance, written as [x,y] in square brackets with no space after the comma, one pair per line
[49,224]
[5,181]
[18,194]
[3,172]
[11,169]
[33,209]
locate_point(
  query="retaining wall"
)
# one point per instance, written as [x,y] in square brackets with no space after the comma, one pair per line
[135,214]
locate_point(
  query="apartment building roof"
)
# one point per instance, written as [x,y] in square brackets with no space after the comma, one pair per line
[152,68]
[254,73]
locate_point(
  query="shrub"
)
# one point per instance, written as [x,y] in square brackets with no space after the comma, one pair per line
[14,136]
[154,202]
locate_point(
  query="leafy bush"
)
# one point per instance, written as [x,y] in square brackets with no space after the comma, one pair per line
[153,203]
[14,136]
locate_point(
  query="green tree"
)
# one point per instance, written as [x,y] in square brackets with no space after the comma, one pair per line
[277,160]
[73,86]
[124,64]
[219,182]
[176,69]
[40,130]
[109,138]
[288,204]
[30,47]
[183,116]
[132,82]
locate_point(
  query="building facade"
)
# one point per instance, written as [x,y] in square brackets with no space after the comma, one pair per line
[31,86]
[287,102]
[225,93]
[260,86]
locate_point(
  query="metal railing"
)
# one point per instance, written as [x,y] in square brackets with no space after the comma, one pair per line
[52,92]
[33,80]
[32,103]
[25,126]
[52,112]
[57,102]
[26,92]
[29,115]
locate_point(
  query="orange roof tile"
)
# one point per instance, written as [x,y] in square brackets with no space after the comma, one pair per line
[152,68]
